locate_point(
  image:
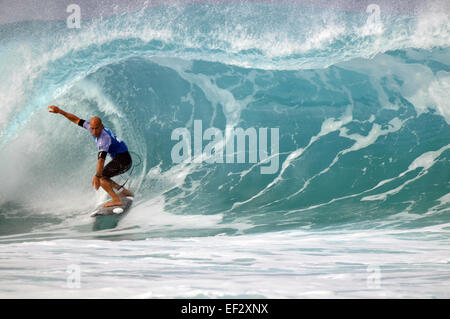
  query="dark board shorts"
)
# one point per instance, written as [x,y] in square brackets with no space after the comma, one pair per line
[119,165]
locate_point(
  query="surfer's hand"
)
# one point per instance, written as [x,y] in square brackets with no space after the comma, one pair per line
[53,109]
[96,182]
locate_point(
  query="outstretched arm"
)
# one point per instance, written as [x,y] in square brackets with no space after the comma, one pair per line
[73,118]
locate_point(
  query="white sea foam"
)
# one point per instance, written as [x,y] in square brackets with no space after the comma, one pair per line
[292,264]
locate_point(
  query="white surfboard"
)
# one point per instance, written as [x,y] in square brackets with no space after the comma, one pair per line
[114,210]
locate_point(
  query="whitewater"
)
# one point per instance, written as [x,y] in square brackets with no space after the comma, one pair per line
[358,93]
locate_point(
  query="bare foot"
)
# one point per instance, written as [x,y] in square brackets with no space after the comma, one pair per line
[113,203]
[125,192]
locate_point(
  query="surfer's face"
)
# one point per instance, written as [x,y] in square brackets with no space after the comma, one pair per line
[96,130]
[96,127]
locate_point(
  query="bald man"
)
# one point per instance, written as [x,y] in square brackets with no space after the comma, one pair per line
[107,143]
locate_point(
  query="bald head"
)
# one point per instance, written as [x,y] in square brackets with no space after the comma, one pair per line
[95,121]
[96,126]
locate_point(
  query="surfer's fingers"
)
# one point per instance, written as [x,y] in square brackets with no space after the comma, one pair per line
[53,108]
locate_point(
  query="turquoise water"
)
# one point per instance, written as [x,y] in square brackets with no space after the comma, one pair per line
[362,183]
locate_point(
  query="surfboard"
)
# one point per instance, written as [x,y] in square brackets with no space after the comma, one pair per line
[114,210]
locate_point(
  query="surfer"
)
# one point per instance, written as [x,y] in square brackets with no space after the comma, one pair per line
[107,143]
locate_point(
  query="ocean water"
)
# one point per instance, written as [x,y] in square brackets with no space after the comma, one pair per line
[358,204]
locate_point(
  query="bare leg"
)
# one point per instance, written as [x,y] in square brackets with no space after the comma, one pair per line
[107,186]
[125,192]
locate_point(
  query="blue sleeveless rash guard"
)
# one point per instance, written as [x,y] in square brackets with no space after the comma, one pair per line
[107,141]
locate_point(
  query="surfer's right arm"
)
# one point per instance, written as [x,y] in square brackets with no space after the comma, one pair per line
[73,118]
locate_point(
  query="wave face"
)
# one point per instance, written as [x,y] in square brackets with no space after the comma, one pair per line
[360,101]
